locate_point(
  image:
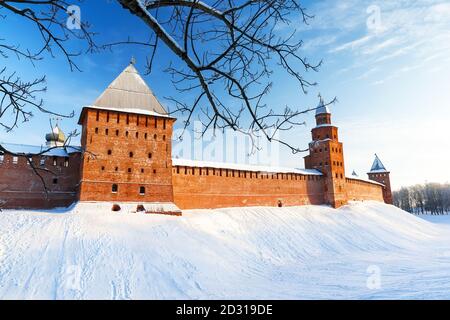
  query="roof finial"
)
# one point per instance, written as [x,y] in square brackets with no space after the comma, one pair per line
[321,99]
[57,120]
[133,61]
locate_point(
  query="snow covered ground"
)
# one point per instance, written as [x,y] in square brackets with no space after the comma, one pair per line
[361,251]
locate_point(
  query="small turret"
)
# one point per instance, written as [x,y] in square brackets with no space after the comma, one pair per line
[323,114]
[380,174]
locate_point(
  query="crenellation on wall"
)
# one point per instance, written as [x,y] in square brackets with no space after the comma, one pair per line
[130,150]
[196,187]
[21,187]
[126,156]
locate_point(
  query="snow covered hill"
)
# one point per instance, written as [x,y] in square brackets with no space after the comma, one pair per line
[259,253]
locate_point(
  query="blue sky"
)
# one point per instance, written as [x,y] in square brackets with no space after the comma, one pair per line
[388,62]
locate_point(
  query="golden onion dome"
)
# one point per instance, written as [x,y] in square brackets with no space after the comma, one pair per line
[56,137]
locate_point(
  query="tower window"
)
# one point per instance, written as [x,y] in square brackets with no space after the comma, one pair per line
[97,116]
[145,136]
[55,180]
[164,138]
[2,157]
[142,191]
[96,130]
[129,170]
[118,117]
[156,123]
[55,161]
[137,134]
[117,132]
[154,171]
[164,124]
[142,170]
[149,155]
[66,162]
[106,131]
[103,168]
[41,162]
[107,116]
[109,152]
[131,154]
[128,119]
[155,137]
[114,188]
[116,169]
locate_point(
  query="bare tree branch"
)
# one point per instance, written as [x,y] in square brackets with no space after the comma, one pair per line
[229,51]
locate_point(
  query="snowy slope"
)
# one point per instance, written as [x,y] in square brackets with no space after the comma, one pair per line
[264,253]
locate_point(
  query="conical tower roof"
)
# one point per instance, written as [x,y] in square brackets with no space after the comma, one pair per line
[129,93]
[377,166]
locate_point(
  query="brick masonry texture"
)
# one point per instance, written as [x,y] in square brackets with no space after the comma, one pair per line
[127,158]
[20,187]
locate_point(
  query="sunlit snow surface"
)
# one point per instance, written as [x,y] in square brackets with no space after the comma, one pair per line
[310,252]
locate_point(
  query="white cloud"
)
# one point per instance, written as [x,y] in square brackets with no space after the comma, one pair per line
[415,31]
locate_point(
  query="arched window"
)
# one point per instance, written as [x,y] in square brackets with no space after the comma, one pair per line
[131,154]
[142,191]
[115,188]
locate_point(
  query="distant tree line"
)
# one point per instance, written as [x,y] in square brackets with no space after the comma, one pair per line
[432,198]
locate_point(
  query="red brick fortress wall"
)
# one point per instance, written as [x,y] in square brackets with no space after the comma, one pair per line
[205,188]
[360,190]
[127,157]
[21,188]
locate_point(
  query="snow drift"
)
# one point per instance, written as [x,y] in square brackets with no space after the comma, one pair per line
[89,252]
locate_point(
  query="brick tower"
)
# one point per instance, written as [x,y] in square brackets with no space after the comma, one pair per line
[326,155]
[126,135]
[379,174]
